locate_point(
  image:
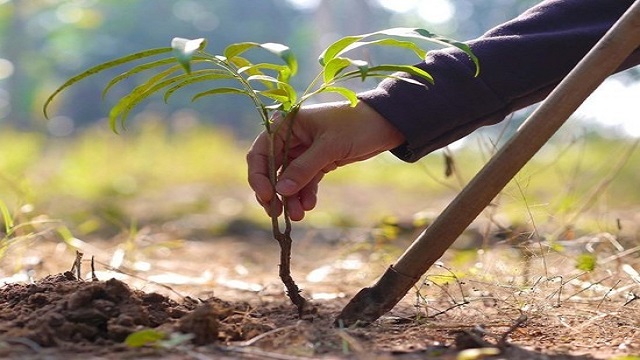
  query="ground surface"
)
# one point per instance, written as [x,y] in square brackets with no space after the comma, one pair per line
[201,291]
[232,306]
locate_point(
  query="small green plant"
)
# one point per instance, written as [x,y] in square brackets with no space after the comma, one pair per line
[267,85]
[7,221]
[156,338]
[586,262]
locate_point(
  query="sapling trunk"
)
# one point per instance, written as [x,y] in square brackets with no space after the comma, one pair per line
[283,237]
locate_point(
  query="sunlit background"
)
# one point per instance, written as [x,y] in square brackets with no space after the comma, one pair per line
[73,155]
[44,41]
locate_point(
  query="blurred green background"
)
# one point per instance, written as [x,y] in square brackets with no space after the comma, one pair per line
[43,42]
[182,159]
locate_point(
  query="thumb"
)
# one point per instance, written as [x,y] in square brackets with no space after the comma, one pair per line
[303,169]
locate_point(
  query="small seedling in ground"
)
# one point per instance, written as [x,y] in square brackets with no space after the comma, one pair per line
[267,85]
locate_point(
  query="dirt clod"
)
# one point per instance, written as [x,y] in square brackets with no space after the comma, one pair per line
[60,310]
[202,323]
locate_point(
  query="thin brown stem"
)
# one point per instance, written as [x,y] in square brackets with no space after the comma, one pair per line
[284,238]
[273,178]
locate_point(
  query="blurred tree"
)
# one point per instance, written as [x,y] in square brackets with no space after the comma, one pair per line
[40,38]
[17,48]
[43,42]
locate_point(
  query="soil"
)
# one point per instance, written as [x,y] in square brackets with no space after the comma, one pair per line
[61,316]
[98,316]
[218,296]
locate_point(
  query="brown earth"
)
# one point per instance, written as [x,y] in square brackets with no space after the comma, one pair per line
[63,315]
[60,316]
[196,290]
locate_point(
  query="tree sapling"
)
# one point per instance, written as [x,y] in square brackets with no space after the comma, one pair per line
[267,85]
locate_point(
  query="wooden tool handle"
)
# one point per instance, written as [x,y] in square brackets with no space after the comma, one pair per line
[605,57]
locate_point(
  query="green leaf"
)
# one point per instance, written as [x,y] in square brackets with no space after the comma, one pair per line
[234,50]
[280,95]
[382,75]
[347,43]
[407,80]
[586,262]
[209,75]
[141,92]
[450,42]
[429,36]
[136,70]
[183,50]
[421,53]
[6,217]
[240,62]
[222,90]
[135,96]
[144,337]
[334,67]
[267,78]
[389,69]
[251,68]
[99,68]
[247,67]
[347,93]
[336,48]
[284,53]
[284,73]
[280,84]
[410,69]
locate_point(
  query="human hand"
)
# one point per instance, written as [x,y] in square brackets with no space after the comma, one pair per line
[323,138]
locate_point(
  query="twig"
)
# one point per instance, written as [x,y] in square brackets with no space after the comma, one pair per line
[587,287]
[523,318]
[34,346]
[535,229]
[457,326]
[448,309]
[77,265]
[559,291]
[634,298]
[261,354]
[458,282]
[608,292]
[93,269]
[441,287]
[620,255]
[450,167]
[257,338]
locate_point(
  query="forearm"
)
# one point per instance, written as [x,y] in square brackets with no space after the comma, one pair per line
[520,63]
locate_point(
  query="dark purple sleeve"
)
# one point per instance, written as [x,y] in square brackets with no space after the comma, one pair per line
[521,61]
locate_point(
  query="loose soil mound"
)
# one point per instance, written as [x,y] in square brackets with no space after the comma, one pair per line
[62,311]
[61,317]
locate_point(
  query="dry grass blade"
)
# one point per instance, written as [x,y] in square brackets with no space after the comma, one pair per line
[256,339]
[261,354]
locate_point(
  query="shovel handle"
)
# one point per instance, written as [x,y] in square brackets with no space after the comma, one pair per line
[603,59]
